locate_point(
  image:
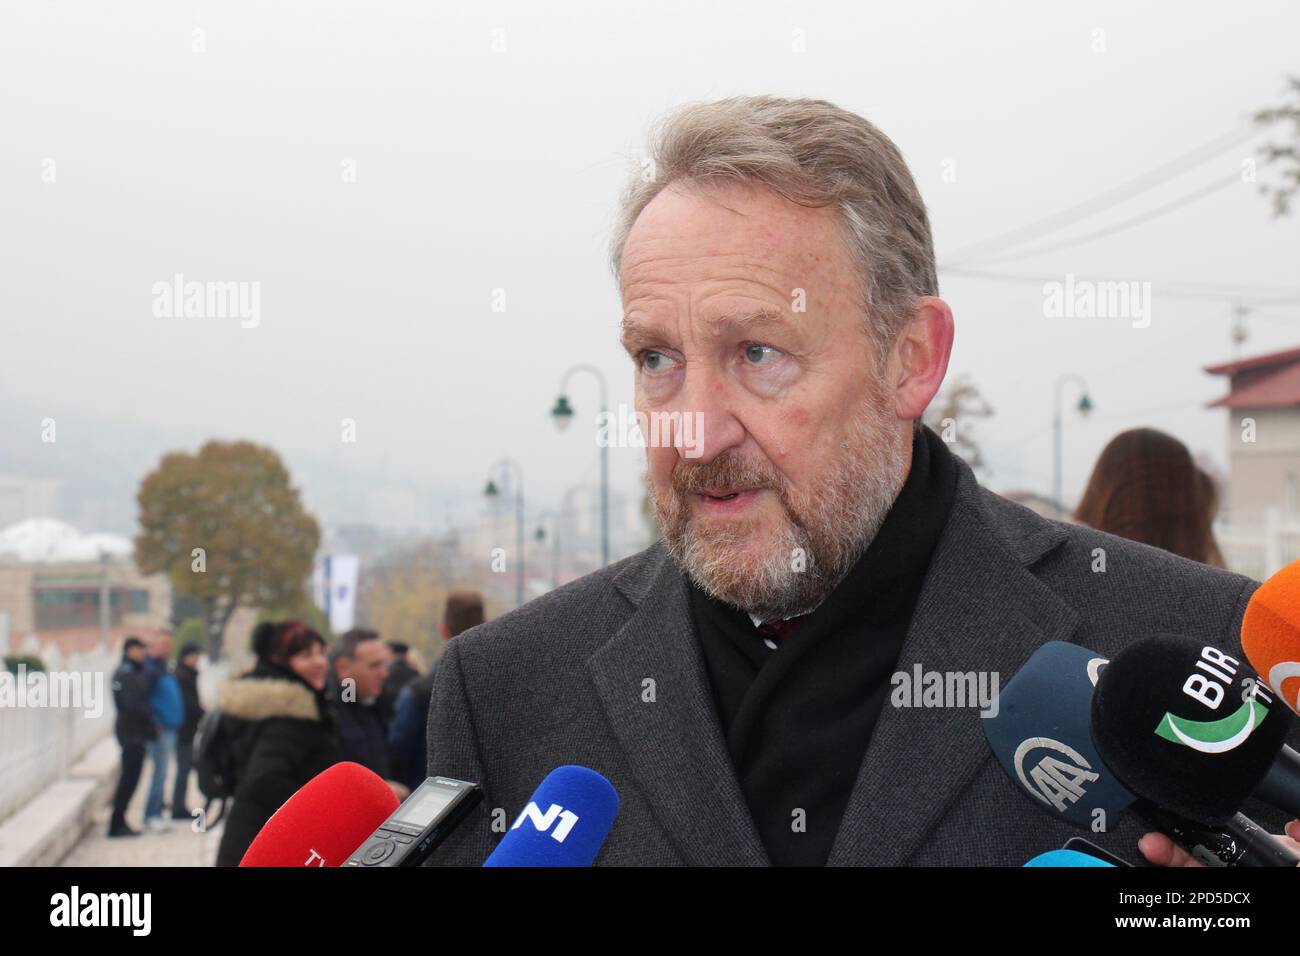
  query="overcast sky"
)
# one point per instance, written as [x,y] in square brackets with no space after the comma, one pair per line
[479,169]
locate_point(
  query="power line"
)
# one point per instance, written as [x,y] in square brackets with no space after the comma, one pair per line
[1111,197]
[1261,295]
[1137,220]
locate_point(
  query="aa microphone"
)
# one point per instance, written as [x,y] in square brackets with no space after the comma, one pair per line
[1041,737]
[1067,858]
[564,824]
[1270,633]
[1190,728]
[329,817]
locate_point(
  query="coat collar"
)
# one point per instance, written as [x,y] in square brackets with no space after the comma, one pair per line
[260,698]
[980,609]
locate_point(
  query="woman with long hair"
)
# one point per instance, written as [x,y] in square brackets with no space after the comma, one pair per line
[1146,487]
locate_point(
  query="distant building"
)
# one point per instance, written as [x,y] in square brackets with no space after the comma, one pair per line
[1263,402]
[51,577]
[1259,526]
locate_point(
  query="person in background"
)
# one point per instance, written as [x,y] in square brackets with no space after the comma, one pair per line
[168,711]
[1145,487]
[408,731]
[400,671]
[134,728]
[187,677]
[281,731]
[359,664]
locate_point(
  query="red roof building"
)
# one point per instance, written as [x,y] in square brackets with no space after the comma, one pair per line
[1269,381]
[1262,500]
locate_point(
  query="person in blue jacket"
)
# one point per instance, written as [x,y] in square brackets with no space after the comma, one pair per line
[168,710]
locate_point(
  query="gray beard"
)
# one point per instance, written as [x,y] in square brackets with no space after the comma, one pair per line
[819,542]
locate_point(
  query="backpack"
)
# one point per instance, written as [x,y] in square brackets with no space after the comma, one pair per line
[215,763]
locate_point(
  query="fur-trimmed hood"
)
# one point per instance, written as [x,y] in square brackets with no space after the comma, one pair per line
[260,698]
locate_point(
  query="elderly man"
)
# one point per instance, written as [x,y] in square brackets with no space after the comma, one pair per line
[733,681]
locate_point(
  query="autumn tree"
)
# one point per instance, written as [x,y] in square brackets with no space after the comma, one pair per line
[1284,154]
[228,530]
[404,596]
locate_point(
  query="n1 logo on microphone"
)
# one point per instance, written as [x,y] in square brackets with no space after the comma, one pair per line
[542,821]
[1226,733]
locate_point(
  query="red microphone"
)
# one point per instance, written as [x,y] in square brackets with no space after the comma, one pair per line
[325,821]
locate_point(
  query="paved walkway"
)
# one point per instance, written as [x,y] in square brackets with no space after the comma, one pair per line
[182,846]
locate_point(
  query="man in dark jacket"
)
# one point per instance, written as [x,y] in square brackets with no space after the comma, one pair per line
[400,671]
[407,733]
[187,677]
[134,728]
[359,668]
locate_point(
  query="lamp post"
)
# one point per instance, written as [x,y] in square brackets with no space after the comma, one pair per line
[540,535]
[104,598]
[1084,407]
[563,415]
[492,492]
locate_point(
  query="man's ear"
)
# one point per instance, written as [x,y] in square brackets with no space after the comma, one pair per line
[920,359]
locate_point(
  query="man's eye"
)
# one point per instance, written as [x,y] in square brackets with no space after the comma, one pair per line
[655,361]
[761,354]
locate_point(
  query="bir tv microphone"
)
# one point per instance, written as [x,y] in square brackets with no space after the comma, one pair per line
[1187,726]
[1041,737]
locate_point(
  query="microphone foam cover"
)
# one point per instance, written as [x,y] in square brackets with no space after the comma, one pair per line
[1067,858]
[1170,717]
[325,821]
[564,824]
[1270,633]
[1041,737]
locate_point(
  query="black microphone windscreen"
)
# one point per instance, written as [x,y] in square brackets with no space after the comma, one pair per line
[1186,725]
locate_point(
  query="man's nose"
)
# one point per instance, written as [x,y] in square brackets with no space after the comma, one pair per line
[708,424]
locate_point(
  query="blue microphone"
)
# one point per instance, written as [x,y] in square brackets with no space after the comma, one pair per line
[564,824]
[1067,858]
[1042,737]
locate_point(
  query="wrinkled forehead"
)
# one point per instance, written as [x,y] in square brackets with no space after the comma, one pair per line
[697,234]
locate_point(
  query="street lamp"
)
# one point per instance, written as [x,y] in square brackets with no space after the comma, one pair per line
[1083,408]
[563,414]
[492,492]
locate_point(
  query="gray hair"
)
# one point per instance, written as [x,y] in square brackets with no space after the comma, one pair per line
[816,154]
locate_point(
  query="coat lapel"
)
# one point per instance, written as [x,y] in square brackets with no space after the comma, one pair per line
[980,609]
[674,743]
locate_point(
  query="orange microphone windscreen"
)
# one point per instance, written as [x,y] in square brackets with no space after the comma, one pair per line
[1270,633]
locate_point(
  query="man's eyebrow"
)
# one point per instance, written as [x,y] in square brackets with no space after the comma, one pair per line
[745,319]
[635,335]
